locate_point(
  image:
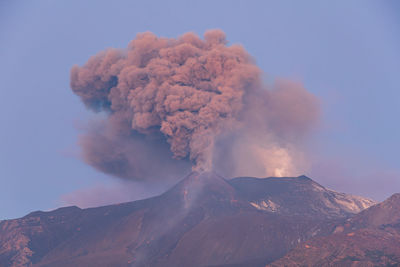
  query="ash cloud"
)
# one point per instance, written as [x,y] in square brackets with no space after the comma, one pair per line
[189,103]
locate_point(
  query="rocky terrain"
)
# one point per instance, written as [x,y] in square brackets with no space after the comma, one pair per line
[206,220]
[370,238]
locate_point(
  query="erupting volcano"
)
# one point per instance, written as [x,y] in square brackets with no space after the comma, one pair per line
[196,112]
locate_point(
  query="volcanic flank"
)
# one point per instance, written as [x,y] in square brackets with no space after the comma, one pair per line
[172,105]
[204,220]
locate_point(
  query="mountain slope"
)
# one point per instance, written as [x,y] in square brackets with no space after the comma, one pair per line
[370,238]
[298,196]
[204,220]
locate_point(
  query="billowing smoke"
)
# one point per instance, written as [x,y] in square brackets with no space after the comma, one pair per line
[176,104]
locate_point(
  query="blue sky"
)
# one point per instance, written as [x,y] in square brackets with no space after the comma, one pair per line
[345,52]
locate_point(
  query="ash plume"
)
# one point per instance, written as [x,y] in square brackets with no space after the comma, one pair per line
[189,103]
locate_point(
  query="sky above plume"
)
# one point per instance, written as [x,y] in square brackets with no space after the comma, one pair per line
[343,53]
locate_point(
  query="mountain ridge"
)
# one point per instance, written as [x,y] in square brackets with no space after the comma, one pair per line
[369,238]
[203,220]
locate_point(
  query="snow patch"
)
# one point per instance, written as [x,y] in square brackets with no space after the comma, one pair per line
[266,205]
[350,203]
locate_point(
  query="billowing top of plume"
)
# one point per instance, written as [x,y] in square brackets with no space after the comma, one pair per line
[185,91]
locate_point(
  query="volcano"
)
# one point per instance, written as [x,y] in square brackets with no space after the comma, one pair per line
[204,220]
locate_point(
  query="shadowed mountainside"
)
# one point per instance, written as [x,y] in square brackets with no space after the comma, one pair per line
[204,220]
[371,238]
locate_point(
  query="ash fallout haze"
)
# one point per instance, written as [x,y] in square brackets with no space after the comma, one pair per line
[163,89]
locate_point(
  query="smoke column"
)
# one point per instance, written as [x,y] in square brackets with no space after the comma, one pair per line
[173,105]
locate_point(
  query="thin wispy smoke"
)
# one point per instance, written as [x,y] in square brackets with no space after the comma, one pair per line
[176,104]
[106,194]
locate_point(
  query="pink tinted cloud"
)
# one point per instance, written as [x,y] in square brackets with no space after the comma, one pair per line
[169,101]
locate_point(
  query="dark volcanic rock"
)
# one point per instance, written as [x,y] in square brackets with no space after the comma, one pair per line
[370,238]
[204,220]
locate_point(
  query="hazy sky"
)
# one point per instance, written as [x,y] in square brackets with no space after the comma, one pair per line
[345,52]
